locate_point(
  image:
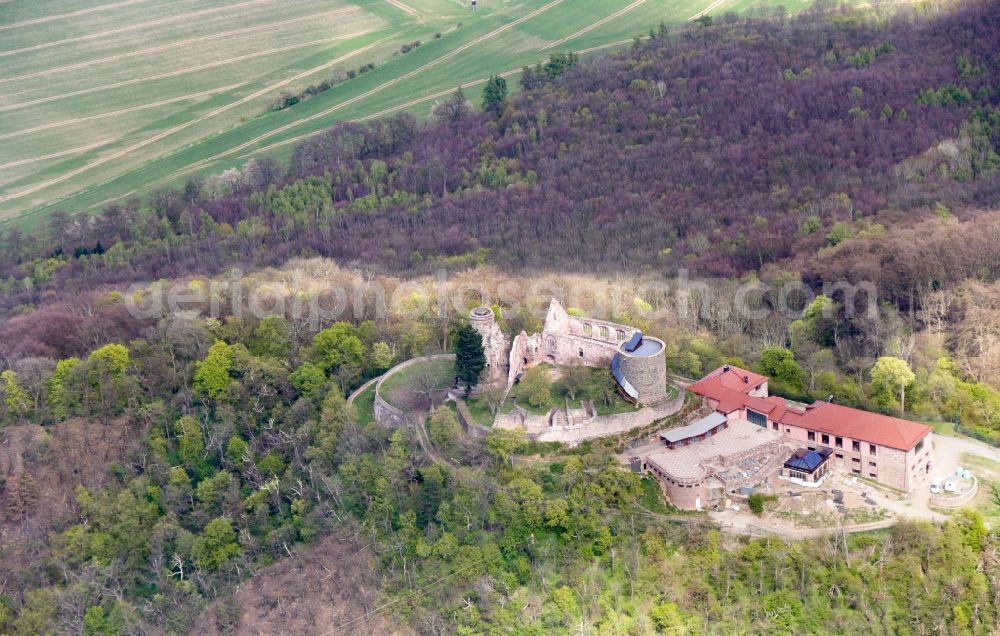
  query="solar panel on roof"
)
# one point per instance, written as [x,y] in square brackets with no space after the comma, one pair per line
[634,342]
[807,460]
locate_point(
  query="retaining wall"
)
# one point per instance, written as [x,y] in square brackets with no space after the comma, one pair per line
[605,425]
[387,414]
[943,501]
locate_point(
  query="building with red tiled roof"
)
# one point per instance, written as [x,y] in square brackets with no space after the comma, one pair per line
[727,388]
[891,450]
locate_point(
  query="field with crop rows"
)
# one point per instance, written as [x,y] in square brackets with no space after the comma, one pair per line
[100,102]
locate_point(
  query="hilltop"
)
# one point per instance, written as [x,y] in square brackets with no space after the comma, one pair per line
[198,467]
[112,100]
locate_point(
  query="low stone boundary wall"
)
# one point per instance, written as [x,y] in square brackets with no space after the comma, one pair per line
[607,425]
[942,501]
[475,430]
[387,414]
[761,528]
[361,389]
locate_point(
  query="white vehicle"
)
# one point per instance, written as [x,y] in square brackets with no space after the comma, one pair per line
[936,485]
[949,486]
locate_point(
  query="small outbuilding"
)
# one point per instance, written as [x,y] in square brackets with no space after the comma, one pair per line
[701,430]
[809,466]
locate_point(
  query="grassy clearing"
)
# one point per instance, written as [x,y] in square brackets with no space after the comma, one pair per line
[411,381]
[987,471]
[219,117]
[364,406]
[944,428]
[480,411]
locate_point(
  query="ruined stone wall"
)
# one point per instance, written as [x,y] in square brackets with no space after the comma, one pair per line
[495,343]
[568,339]
[527,351]
[607,425]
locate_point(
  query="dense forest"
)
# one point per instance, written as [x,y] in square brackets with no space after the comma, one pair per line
[239,450]
[833,146]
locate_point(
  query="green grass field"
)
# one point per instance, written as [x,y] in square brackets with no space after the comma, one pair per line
[398,388]
[364,406]
[987,472]
[99,102]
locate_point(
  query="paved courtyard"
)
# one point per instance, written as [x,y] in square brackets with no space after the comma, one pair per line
[694,461]
[842,500]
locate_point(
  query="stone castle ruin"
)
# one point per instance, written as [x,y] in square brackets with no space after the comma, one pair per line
[637,362]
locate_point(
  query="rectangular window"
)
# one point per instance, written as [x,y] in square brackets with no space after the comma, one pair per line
[920,445]
[872,464]
[855,460]
[757,418]
[856,446]
[774,426]
[871,449]
[825,439]
[856,471]
[812,436]
[840,456]
[872,475]
[838,442]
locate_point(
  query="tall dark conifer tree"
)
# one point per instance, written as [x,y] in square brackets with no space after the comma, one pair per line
[469,357]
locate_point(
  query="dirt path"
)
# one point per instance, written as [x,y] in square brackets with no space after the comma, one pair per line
[712,7]
[377,89]
[425,441]
[121,153]
[176,44]
[56,155]
[387,111]
[77,120]
[595,25]
[380,113]
[407,9]
[742,524]
[72,14]
[131,27]
[182,71]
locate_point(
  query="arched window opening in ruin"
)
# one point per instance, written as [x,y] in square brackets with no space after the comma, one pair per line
[620,334]
[588,330]
[581,353]
[604,333]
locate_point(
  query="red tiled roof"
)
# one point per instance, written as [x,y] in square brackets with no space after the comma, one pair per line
[722,383]
[765,405]
[729,404]
[864,426]
[729,386]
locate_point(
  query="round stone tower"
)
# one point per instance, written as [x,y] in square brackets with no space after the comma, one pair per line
[644,366]
[495,345]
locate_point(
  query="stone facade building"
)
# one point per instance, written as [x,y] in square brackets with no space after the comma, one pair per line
[889,450]
[567,340]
